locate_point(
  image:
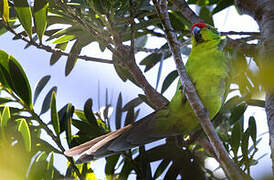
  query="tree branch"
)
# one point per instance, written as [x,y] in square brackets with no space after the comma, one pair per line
[229,167]
[54,50]
[185,10]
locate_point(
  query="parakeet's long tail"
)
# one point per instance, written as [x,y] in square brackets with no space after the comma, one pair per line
[138,133]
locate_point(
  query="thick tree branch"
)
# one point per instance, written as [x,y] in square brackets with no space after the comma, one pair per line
[229,167]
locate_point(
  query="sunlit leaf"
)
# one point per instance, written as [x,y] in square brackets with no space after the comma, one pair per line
[54,114]
[5,116]
[23,128]
[4,10]
[23,11]
[40,17]
[50,168]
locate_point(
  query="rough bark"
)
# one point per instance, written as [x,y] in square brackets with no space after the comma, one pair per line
[263,12]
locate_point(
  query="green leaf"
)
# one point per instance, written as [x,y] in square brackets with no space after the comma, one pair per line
[4,10]
[71,61]
[206,15]
[50,167]
[236,138]
[88,112]
[40,17]
[20,81]
[222,5]
[69,113]
[111,162]
[54,114]
[47,100]
[55,57]
[133,103]
[64,39]
[237,113]
[151,60]
[118,114]
[169,80]
[23,12]
[130,116]
[252,129]
[244,145]
[40,86]
[23,128]
[5,78]
[161,168]
[5,117]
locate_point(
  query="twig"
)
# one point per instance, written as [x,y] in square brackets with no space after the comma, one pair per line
[46,128]
[54,50]
[229,167]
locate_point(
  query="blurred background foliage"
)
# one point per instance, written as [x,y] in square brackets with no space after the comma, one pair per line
[52,25]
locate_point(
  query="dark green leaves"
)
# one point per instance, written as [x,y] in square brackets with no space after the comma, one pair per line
[40,86]
[118,114]
[13,77]
[75,50]
[47,100]
[169,80]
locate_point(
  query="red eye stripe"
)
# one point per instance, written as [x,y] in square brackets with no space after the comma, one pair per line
[199,25]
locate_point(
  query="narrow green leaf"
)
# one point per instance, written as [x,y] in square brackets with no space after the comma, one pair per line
[23,128]
[71,61]
[4,10]
[5,78]
[160,70]
[130,116]
[236,138]
[40,17]
[54,114]
[252,129]
[20,81]
[161,168]
[64,39]
[50,168]
[222,5]
[69,113]
[118,114]
[169,80]
[88,112]
[23,12]
[133,103]
[40,86]
[244,145]
[55,57]
[151,60]
[5,117]
[46,103]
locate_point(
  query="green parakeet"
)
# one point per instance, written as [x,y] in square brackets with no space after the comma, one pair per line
[207,68]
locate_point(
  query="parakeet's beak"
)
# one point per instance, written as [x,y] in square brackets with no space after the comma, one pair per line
[196,33]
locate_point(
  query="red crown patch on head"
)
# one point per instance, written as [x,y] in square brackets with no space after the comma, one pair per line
[199,25]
